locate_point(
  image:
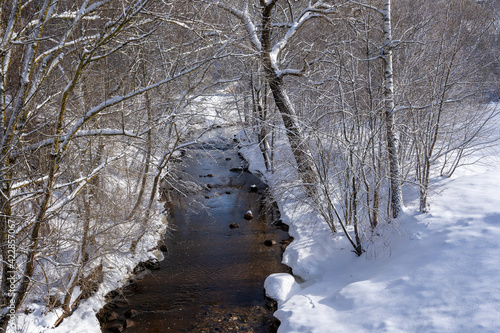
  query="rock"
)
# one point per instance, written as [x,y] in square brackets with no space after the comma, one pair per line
[269,242]
[131,313]
[248,215]
[228,158]
[129,323]
[234,225]
[209,186]
[254,188]
[114,328]
[162,246]
[238,169]
[281,225]
[112,294]
[210,175]
[112,316]
[152,264]
[285,242]
[228,192]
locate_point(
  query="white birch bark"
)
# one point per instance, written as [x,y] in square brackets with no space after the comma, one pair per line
[391,132]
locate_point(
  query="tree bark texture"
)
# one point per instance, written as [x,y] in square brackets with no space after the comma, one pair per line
[390,123]
[290,120]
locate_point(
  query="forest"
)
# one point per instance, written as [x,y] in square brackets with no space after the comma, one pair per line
[98,96]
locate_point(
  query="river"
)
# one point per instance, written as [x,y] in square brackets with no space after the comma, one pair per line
[212,277]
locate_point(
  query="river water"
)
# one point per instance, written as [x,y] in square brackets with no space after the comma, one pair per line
[212,277]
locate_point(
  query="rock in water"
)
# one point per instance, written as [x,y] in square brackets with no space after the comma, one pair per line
[112,316]
[129,323]
[131,313]
[162,246]
[254,188]
[152,264]
[269,242]
[114,328]
[234,225]
[248,215]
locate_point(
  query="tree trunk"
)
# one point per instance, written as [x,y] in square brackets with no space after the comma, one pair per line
[395,177]
[294,133]
[260,108]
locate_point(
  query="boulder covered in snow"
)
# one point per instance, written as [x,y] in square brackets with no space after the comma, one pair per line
[281,286]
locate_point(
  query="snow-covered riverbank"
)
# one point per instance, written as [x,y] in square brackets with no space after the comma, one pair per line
[434,272]
[117,268]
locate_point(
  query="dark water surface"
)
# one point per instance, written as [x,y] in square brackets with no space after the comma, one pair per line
[212,277]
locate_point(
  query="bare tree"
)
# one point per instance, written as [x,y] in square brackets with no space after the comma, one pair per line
[270,49]
[78,132]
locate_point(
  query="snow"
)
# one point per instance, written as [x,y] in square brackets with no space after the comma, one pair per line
[118,267]
[280,286]
[433,272]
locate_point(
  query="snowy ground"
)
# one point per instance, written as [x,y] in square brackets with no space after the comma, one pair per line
[117,270]
[435,272]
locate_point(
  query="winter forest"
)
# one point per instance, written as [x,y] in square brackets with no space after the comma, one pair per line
[362,102]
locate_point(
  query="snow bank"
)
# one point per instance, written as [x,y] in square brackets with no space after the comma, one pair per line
[280,286]
[118,267]
[434,272]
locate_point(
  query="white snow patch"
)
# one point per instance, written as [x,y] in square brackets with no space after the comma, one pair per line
[280,286]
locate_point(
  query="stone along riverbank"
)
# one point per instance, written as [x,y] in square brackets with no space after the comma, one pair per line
[216,260]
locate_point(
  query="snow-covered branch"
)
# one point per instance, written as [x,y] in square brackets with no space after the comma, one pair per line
[79,134]
[118,99]
[81,184]
[318,9]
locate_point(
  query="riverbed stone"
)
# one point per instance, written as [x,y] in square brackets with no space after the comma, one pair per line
[112,316]
[248,215]
[131,313]
[162,246]
[129,323]
[269,242]
[285,242]
[114,328]
[234,225]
